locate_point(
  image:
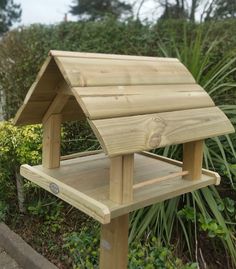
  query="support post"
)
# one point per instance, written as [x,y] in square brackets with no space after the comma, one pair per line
[121,178]
[114,243]
[192,159]
[114,236]
[51,141]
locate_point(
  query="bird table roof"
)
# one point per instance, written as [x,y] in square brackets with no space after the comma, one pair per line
[133,103]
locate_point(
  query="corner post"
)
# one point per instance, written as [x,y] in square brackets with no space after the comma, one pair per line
[192,159]
[114,236]
[51,141]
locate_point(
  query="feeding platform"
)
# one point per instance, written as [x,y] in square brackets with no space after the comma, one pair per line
[133,104]
[84,183]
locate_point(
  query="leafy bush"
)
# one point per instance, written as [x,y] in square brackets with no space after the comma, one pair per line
[218,80]
[211,61]
[83,248]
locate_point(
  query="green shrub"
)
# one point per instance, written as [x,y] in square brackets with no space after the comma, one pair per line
[83,248]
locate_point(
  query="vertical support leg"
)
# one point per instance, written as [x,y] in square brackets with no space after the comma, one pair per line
[192,159]
[51,141]
[121,178]
[114,236]
[116,179]
[114,244]
[128,175]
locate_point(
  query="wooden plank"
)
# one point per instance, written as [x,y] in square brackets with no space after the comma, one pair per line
[114,244]
[57,53]
[192,159]
[180,164]
[117,101]
[88,205]
[116,179]
[159,179]
[42,90]
[104,72]
[121,178]
[52,141]
[72,111]
[80,154]
[56,106]
[128,176]
[89,176]
[144,132]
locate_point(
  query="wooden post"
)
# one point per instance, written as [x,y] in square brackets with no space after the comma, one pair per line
[192,159]
[52,129]
[114,236]
[121,178]
[114,244]
[52,141]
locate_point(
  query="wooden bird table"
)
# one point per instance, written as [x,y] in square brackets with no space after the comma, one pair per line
[133,104]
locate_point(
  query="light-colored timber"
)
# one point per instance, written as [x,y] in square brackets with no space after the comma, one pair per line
[180,164]
[133,104]
[106,72]
[144,132]
[80,154]
[116,179]
[114,244]
[192,159]
[57,53]
[159,179]
[87,178]
[51,141]
[119,101]
[129,101]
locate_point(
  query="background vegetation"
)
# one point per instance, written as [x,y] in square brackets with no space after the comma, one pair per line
[199,227]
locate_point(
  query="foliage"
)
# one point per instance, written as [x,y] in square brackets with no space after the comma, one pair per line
[225,9]
[9,13]
[98,9]
[49,211]
[3,210]
[149,253]
[206,224]
[18,145]
[22,52]
[163,218]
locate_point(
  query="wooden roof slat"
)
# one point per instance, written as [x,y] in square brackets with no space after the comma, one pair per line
[132,103]
[108,72]
[118,101]
[75,54]
[145,132]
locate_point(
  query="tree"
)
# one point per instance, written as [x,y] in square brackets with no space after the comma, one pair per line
[98,9]
[9,13]
[225,9]
[173,10]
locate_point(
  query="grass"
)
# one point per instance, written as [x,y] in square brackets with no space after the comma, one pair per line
[163,218]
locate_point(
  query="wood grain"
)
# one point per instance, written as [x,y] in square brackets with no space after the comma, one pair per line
[52,141]
[87,178]
[42,92]
[117,101]
[144,132]
[128,178]
[57,53]
[56,105]
[73,196]
[192,159]
[114,244]
[159,179]
[116,179]
[104,72]
[80,154]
